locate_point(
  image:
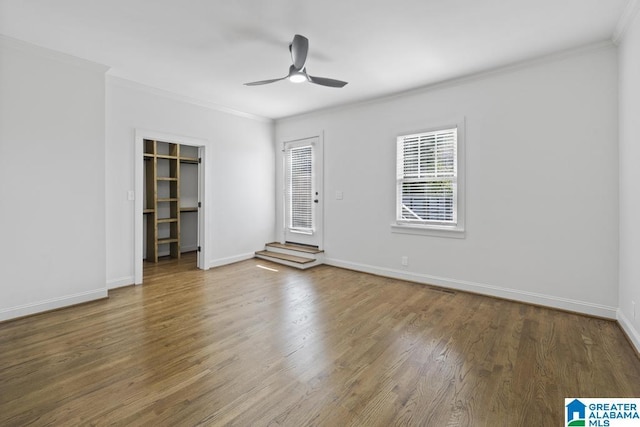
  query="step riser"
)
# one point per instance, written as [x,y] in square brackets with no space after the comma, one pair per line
[289,263]
[318,256]
[294,247]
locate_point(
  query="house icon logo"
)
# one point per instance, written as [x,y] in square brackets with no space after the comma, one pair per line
[576,413]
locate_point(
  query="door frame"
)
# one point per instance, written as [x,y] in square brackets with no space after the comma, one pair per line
[319,184]
[140,136]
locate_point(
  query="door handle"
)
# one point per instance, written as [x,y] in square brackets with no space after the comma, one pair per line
[315,201]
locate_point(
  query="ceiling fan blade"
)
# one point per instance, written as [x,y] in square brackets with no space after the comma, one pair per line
[299,49]
[326,82]
[264,82]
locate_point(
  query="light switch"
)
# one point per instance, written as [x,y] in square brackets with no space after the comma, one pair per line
[339,195]
[131,195]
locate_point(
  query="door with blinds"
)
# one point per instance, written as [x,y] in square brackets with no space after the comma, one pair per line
[302,191]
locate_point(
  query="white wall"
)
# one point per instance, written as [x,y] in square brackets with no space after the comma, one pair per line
[240,162]
[541,184]
[52,182]
[630,181]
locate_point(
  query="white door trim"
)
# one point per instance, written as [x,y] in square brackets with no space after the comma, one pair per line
[140,136]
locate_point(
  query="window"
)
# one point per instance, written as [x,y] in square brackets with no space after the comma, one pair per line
[299,188]
[428,190]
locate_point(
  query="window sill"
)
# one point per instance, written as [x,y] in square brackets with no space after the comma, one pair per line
[428,230]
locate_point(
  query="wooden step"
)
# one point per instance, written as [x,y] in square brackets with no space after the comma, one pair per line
[294,247]
[285,257]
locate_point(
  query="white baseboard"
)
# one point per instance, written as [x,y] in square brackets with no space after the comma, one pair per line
[632,333]
[484,289]
[51,304]
[120,282]
[230,260]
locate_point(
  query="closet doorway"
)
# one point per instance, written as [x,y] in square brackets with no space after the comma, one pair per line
[169,211]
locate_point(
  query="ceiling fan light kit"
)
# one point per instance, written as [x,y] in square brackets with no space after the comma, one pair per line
[299,49]
[297,77]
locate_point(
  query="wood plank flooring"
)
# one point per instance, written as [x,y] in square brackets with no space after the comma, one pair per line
[244,345]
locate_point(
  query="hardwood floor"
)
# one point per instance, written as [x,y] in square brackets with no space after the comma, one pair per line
[244,345]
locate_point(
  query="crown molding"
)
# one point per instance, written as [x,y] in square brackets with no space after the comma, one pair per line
[131,84]
[627,17]
[460,80]
[7,42]
[12,43]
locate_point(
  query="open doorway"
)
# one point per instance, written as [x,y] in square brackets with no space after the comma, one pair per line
[169,222]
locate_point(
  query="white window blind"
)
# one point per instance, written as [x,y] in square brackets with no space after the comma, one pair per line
[427,178]
[300,188]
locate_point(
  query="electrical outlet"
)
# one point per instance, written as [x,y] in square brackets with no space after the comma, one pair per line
[131,195]
[404,261]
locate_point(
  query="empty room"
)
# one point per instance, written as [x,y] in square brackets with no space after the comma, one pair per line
[294,213]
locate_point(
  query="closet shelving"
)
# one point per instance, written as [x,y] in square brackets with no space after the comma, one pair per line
[162,200]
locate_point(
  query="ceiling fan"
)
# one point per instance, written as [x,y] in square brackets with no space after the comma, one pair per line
[299,48]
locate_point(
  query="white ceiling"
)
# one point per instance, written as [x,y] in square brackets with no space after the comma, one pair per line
[207,49]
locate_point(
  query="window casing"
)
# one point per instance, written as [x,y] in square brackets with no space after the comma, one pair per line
[428,178]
